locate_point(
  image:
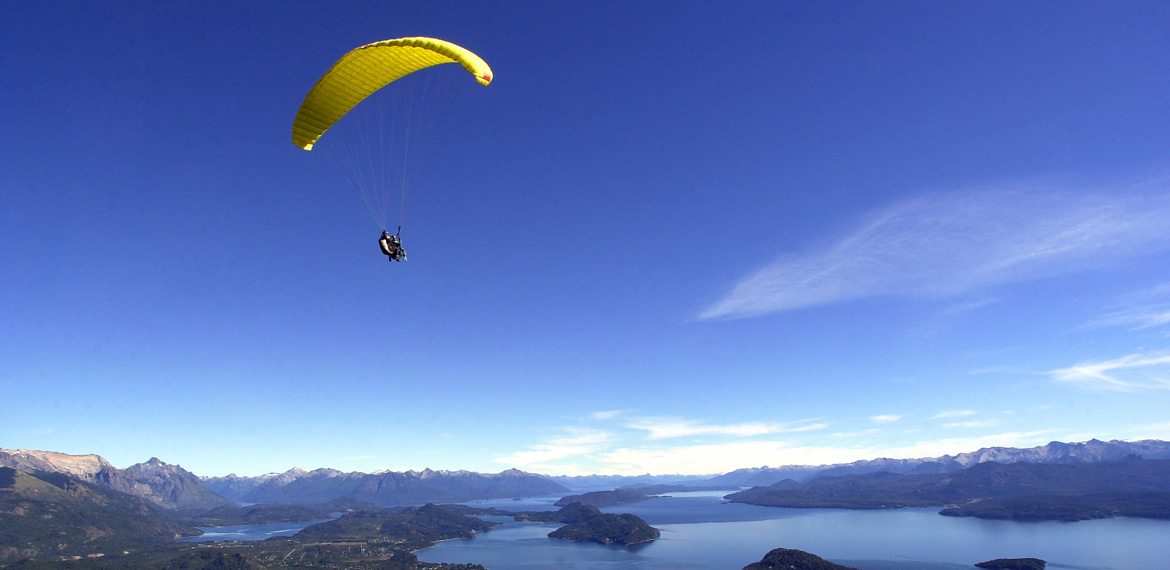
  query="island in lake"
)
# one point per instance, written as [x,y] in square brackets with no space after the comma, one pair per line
[605,498]
[585,523]
[1014,564]
[634,494]
[790,559]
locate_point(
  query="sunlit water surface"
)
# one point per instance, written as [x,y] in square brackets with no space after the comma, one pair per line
[701,532]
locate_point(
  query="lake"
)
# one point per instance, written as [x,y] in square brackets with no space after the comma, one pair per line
[701,532]
[249,532]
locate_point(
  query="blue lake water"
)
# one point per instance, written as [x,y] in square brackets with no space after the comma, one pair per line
[701,532]
[249,532]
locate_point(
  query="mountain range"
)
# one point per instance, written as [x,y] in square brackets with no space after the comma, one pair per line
[168,486]
[174,488]
[55,504]
[1071,491]
[388,488]
[1092,451]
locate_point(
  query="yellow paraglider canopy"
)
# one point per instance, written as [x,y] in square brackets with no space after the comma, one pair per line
[369,68]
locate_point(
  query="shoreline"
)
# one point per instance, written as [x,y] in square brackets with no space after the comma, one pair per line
[436,543]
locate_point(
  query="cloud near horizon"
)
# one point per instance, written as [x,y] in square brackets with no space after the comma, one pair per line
[1131,373]
[607,414]
[635,446]
[972,424]
[575,442]
[952,243]
[953,414]
[584,450]
[712,459]
[716,458]
[666,428]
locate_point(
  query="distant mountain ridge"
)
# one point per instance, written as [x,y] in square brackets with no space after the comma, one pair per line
[173,487]
[1068,491]
[168,486]
[1092,451]
[599,482]
[389,488]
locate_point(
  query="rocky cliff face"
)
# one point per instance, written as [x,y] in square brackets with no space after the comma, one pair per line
[173,487]
[83,467]
[168,486]
[89,468]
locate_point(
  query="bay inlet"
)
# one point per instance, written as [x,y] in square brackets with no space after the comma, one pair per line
[702,532]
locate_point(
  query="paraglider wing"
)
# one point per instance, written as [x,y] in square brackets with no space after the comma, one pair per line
[369,68]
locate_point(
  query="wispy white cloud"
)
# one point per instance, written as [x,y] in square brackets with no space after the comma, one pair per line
[1150,431]
[666,428]
[947,244]
[721,458]
[1136,317]
[1149,371]
[849,434]
[885,418]
[970,306]
[607,414]
[724,457]
[570,469]
[575,442]
[952,414]
[972,424]
[1141,310]
[580,451]
[665,445]
[954,445]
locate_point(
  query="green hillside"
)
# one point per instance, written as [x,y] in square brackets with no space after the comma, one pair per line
[50,514]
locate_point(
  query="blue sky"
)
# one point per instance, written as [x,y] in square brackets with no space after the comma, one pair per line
[680,238]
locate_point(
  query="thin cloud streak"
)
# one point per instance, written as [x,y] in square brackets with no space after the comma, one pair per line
[1141,310]
[577,442]
[666,428]
[1150,371]
[851,434]
[721,458]
[634,446]
[952,414]
[1151,431]
[607,414]
[1137,318]
[972,424]
[581,452]
[885,418]
[948,244]
[955,445]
